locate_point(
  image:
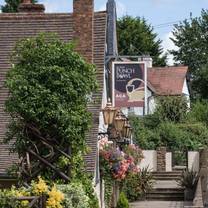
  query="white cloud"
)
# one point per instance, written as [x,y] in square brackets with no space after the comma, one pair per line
[169,45]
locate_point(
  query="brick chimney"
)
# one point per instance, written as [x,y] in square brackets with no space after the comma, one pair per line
[83,16]
[27,6]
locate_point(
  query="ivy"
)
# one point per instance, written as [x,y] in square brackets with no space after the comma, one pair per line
[49,85]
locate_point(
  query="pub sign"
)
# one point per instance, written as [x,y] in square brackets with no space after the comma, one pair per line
[129,84]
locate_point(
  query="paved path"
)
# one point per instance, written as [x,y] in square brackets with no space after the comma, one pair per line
[158,204]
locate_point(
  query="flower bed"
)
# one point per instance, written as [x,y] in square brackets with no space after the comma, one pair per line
[57,196]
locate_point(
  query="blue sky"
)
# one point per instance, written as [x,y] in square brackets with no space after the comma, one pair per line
[156,12]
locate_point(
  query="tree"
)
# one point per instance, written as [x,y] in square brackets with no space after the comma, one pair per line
[49,86]
[171,108]
[11,6]
[191,38]
[136,37]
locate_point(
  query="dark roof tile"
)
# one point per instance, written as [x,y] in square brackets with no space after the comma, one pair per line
[18,26]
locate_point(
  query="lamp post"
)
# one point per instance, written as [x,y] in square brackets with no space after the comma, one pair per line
[119,130]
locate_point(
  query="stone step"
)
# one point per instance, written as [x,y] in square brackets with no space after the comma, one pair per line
[165,197]
[158,204]
[168,173]
[167,191]
[167,178]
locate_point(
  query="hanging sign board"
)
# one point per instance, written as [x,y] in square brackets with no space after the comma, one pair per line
[129,84]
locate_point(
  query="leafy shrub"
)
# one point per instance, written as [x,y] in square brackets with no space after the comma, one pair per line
[189,179]
[7,199]
[89,190]
[171,108]
[199,112]
[175,136]
[75,196]
[136,185]
[122,201]
[48,84]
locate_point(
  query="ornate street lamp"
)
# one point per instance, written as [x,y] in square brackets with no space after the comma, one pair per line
[109,113]
[130,133]
[126,130]
[119,121]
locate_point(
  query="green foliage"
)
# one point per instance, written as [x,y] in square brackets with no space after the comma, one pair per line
[11,6]
[137,185]
[108,184]
[136,37]
[199,112]
[48,85]
[7,199]
[89,190]
[189,179]
[171,108]
[172,126]
[191,39]
[122,201]
[200,83]
[75,196]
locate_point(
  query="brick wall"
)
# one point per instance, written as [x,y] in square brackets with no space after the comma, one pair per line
[83,14]
[161,159]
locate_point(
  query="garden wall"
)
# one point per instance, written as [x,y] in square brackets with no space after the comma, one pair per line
[151,156]
[150,160]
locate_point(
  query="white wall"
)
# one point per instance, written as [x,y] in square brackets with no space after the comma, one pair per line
[169,161]
[193,161]
[150,160]
[185,92]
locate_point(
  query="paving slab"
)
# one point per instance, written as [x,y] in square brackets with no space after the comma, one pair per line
[158,204]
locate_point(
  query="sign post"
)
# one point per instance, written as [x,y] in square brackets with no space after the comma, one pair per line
[129,85]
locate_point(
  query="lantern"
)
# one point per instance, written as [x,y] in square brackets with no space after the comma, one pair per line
[119,121]
[109,113]
[130,133]
[126,129]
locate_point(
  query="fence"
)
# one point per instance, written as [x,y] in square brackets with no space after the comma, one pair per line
[34,201]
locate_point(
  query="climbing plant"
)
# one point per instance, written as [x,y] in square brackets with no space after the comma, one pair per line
[49,84]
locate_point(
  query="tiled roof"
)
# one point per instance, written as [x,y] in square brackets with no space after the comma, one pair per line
[18,26]
[167,80]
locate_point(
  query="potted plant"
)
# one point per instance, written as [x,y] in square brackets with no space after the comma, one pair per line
[188,181]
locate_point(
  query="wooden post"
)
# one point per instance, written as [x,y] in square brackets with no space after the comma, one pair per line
[43,201]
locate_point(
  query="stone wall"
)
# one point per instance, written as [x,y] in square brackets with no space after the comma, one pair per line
[161,159]
[193,161]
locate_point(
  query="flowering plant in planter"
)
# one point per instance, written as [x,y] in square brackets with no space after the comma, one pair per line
[116,162]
